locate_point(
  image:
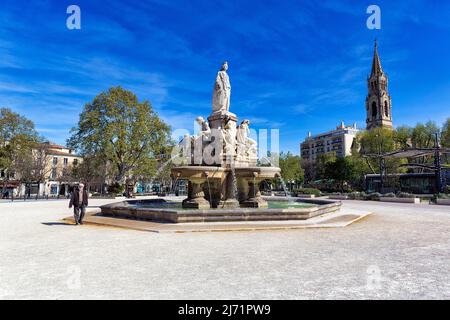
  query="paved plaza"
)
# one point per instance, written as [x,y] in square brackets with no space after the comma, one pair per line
[401,251]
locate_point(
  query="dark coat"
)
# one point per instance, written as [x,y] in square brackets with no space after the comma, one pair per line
[75,198]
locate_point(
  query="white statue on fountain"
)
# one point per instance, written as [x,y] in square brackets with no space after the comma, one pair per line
[229,137]
[222,91]
[246,146]
[205,130]
[236,140]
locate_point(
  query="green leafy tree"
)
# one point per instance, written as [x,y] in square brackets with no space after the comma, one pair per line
[445,134]
[341,170]
[322,161]
[121,130]
[361,169]
[144,172]
[402,137]
[424,136]
[445,139]
[291,169]
[376,142]
[309,169]
[17,137]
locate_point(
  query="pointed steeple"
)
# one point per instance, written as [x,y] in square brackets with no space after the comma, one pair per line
[376,63]
[378,101]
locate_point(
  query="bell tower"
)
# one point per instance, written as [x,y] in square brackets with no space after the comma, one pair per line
[378,101]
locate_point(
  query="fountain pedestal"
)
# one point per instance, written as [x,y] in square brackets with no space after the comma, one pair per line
[216,119]
[254,197]
[196,196]
[229,190]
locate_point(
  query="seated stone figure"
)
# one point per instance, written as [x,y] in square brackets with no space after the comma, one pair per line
[246,147]
[205,130]
[229,137]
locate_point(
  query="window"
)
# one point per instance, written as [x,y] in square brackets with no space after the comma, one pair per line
[374,109]
[54,189]
[386,109]
[55,161]
[75,162]
[65,162]
[53,174]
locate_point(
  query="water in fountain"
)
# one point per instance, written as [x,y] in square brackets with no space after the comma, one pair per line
[285,189]
[175,186]
[209,190]
[283,183]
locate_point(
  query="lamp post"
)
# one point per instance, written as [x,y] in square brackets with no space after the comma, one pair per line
[380,148]
[437,162]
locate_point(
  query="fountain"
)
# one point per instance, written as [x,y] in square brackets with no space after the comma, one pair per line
[220,165]
[223,158]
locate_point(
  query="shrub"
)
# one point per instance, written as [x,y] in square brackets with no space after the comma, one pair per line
[443,196]
[313,191]
[404,195]
[116,188]
[447,189]
[389,195]
[354,195]
[373,196]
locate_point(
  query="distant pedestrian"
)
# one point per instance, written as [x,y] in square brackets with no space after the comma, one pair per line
[79,201]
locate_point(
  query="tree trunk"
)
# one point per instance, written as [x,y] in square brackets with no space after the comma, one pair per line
[39,189]
[120,177]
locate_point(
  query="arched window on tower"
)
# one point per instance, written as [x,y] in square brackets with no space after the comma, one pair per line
[374,109]
[386,109]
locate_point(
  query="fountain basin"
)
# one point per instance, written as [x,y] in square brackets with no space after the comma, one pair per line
[224,187]
[160,210]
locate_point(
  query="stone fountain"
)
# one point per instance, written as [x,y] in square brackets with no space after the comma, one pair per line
[220,162]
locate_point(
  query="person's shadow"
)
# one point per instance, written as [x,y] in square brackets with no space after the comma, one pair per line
[51,224]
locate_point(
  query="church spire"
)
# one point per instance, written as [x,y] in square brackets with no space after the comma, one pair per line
[376,63]
[378,101]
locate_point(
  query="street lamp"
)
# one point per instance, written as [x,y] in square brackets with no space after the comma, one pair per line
[380,148]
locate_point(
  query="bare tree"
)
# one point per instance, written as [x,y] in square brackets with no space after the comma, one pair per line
[33,166]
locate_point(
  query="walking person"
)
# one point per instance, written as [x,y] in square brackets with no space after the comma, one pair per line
[79,201]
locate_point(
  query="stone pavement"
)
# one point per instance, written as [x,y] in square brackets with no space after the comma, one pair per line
[402,251]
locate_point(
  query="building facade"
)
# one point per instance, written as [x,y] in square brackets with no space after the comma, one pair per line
[61,160]
[338,141]
[378,101]
[57,163]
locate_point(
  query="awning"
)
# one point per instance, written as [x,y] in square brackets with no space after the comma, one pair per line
[10,185]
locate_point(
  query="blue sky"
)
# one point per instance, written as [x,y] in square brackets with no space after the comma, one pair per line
[296,66]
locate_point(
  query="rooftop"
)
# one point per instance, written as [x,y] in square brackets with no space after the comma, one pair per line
[339,130]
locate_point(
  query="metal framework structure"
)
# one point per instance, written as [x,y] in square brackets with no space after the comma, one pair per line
[436,152]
